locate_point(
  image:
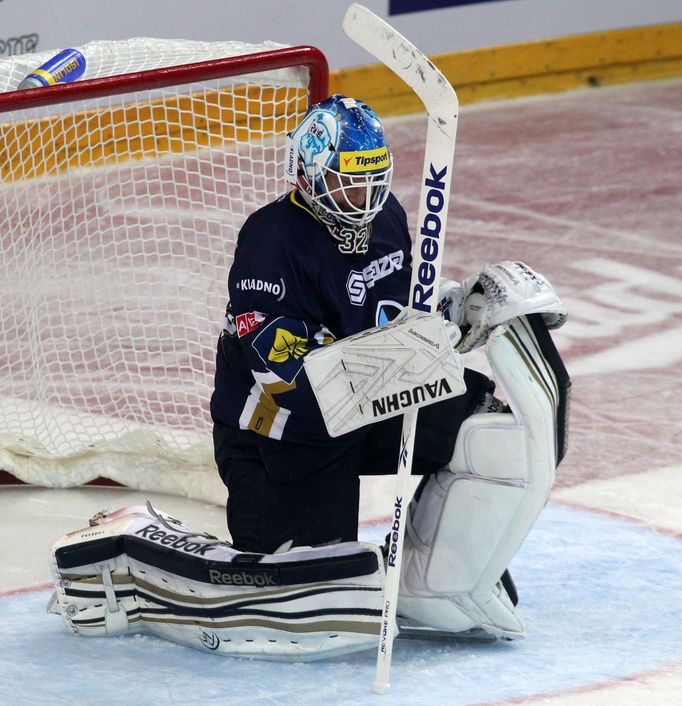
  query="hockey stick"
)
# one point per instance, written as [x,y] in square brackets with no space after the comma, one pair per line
[440,102]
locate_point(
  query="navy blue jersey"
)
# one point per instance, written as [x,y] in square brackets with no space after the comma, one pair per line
[292,289]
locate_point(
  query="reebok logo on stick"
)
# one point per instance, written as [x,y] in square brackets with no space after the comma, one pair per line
[430,243]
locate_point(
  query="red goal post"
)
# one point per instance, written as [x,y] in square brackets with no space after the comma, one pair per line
[120,200]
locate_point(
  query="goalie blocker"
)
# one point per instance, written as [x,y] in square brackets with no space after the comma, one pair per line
[139,570]
[386,371]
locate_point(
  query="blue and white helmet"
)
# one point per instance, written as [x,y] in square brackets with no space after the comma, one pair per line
[340,161]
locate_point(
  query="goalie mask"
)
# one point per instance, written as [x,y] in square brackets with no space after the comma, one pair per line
[340,161]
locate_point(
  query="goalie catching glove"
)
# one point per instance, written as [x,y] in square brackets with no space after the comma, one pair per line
[497,295]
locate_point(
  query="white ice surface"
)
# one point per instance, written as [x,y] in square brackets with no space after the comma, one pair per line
[600,596]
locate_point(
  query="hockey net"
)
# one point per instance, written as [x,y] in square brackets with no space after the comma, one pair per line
[120,200]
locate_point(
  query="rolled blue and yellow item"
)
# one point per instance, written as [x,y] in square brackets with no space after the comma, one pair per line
[65,67]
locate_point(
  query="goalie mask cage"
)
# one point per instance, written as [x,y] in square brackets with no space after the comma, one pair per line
[120,200]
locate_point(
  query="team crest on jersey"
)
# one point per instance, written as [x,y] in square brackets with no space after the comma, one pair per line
[281,346]
[286,345]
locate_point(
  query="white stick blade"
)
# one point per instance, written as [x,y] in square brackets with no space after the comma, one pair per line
[378,38]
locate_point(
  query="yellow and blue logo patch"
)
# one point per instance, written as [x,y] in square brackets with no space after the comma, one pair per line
[281,346]
[364,160]
[287,345]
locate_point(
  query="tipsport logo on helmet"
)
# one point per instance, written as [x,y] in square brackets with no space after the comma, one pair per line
[364,161]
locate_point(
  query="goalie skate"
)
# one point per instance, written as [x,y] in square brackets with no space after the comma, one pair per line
[407,631]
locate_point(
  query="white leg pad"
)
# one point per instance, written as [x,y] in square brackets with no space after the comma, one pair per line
[140,570]
[472,518]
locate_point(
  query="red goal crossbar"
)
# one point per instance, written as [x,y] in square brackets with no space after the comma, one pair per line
[310,57]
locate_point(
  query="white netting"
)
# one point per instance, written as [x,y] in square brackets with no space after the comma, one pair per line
[118,218]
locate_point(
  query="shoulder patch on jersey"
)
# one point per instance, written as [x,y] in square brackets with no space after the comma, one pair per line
[281,346]
[277,289]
